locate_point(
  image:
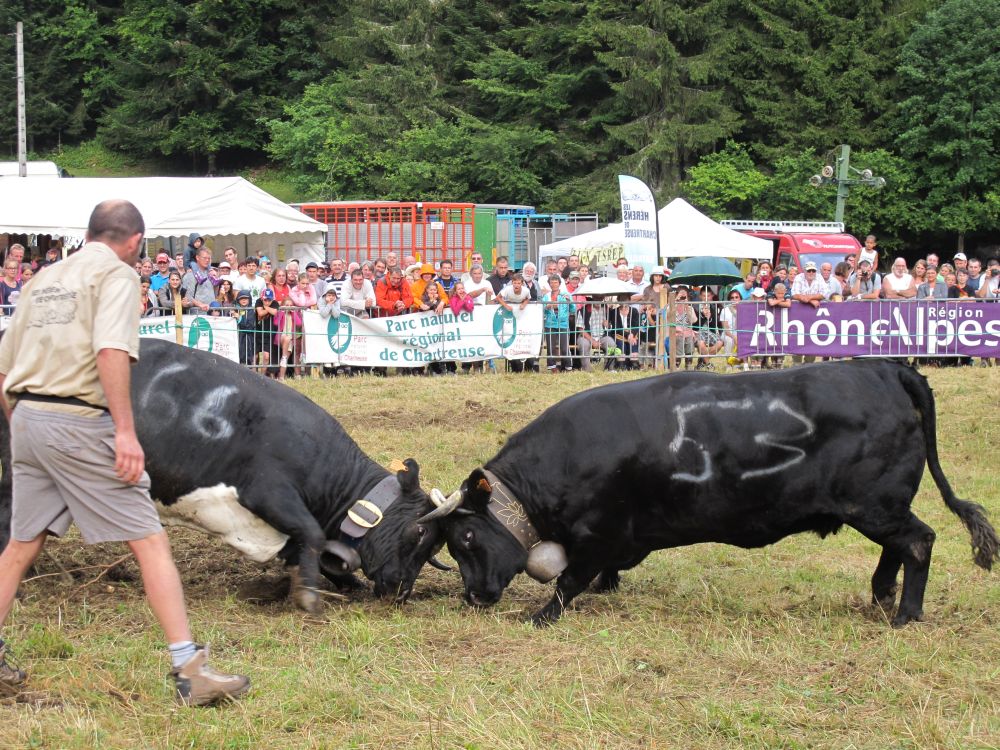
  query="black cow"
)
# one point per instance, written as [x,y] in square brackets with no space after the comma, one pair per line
[609,475]
[248,459]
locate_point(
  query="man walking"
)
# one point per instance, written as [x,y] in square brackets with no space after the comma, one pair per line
[64,385]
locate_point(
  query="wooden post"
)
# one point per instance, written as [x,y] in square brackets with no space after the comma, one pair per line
[671,320]
[178,317]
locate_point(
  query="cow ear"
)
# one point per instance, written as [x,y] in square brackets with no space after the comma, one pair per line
[477,491]
[409,477]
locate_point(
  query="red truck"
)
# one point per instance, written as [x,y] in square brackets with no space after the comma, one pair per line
[796,242]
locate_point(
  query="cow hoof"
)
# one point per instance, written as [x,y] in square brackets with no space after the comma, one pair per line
[902,618]
[607,582]
[307,599]
[345,582]
[544,618]
[884,603]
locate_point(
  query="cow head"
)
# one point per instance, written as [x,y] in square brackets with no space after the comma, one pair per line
[488,554]
[393,552]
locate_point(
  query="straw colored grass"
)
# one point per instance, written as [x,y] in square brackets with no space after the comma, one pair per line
[703,647]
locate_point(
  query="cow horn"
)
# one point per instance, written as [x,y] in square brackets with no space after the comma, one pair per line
[435,563]
[546,560]
[348,557]
[444,506]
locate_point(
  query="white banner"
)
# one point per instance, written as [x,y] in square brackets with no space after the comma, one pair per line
[638,222]
[206,332]
[421,338]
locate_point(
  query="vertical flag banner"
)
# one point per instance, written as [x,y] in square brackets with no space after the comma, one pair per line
[639,222]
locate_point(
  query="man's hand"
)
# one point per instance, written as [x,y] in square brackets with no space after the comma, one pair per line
[130,461]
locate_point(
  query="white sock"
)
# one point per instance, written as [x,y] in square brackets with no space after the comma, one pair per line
[180,653]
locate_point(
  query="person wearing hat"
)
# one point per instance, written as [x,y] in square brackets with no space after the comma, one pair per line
[808,287]
[159,279]
[246,327]
[961,261]
[419,288]
[195,243]
[227,272]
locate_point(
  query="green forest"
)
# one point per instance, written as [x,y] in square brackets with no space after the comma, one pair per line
[732,104]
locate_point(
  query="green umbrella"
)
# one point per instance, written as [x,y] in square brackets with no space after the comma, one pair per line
[705,270]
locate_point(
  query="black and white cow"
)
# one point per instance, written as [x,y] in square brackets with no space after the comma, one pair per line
[605,477]
[271,473]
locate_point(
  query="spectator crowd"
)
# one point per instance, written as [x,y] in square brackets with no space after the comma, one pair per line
[267,300]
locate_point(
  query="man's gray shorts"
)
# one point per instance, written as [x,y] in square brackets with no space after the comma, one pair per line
[64,472]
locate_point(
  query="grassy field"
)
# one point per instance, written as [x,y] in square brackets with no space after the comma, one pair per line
[703,647]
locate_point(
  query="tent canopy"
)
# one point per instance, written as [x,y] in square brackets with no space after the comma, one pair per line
[586,245]
[171,206]
[685,232]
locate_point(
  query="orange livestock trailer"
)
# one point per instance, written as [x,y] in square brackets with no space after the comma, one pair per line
[368,230]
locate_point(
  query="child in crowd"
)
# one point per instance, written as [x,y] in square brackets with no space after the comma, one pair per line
[246,327]
[460,301]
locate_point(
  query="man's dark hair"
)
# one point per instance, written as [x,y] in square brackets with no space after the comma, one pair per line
[251,259]
[393,269]
[356,272]
[502,259]
[446,262]
[115,221]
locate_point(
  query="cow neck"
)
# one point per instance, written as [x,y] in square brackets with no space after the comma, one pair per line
[367,512]
[344,489]
[509,511]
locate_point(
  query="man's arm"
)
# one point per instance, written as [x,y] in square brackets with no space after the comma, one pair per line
[3,399]
[113,369]
[910,291]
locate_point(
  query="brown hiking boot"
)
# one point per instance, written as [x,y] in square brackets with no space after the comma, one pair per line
[200,685]
[10,678]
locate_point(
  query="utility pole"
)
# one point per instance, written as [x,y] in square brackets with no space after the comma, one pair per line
[22,149]
[843,174]
[844,181]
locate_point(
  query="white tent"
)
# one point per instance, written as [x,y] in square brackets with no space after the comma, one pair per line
[685,232]
[47,169]
[225,210]
[599,245]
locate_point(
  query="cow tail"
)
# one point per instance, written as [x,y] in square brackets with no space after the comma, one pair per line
[985,544]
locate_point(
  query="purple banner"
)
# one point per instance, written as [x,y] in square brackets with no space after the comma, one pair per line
[885,328]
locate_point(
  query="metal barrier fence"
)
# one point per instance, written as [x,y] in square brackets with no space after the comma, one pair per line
[600,334]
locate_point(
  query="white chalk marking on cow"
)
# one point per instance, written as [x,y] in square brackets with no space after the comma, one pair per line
[151,390]
[217,511]
[680,438]
[205,417]
[770,440]
[767,439]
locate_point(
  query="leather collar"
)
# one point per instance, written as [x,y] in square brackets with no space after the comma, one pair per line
[367,513]
[506,508]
